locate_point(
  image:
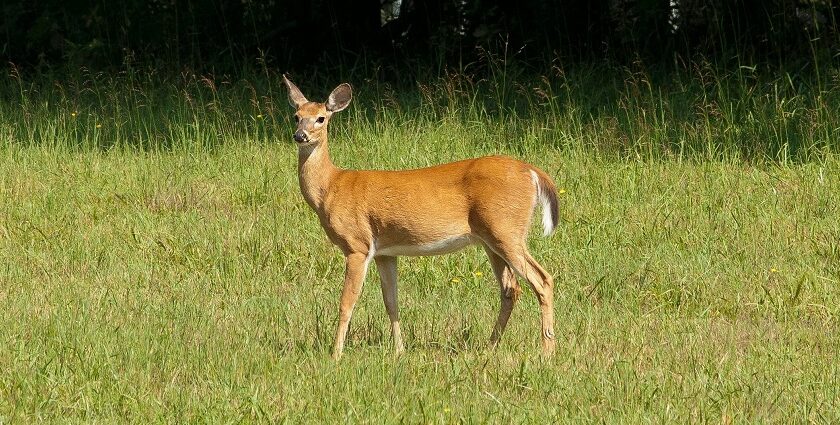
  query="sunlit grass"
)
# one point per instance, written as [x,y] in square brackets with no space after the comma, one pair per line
[167,286]
[696,111]
[164,268]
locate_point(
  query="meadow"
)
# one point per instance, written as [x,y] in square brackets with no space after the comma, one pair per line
[158,263]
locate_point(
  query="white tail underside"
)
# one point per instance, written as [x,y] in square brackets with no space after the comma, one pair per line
[548,224]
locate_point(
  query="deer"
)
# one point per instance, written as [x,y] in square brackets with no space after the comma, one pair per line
[379,215]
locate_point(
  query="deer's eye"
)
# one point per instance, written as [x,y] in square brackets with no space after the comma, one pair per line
[320,120]
[297,118]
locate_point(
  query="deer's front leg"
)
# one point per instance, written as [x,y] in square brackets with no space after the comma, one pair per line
[354,276]
[388,275]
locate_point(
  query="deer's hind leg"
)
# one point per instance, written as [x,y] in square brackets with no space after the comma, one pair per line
[509,290]
[516,256]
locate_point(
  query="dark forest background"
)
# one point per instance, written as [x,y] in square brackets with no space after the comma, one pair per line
[399,38]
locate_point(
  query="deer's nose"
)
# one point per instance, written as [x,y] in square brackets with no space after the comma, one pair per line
[300,137]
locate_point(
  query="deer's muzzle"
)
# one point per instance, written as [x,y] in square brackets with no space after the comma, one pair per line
[301,137]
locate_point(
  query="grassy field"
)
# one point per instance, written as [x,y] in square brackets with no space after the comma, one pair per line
[158,263]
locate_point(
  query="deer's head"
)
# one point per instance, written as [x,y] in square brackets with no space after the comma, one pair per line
[312,117]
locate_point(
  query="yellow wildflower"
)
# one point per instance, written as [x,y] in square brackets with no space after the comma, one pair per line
[98,125]
[774,270]
[73,114]
[478,274]
[561,191]
[259,116]
[455,280]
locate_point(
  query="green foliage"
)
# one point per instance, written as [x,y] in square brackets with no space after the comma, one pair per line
[158,264]
[694,111]
[199,287]
[227,35]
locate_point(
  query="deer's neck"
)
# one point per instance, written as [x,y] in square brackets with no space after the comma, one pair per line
[315,173]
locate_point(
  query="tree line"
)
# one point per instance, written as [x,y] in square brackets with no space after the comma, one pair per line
[219,34]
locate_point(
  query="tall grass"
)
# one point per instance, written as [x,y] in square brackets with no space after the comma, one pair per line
[199,287]
[692,111]
[158,263]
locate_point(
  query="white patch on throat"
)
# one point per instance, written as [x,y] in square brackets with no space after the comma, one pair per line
[309,150]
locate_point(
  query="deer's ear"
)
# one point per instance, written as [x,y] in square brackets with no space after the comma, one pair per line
[296,98]
[340,98]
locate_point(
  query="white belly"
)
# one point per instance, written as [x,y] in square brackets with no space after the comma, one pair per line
[443,246]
